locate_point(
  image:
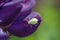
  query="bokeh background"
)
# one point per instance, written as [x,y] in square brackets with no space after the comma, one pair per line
[50,25]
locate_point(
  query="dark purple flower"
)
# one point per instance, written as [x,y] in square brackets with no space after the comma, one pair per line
[18,13]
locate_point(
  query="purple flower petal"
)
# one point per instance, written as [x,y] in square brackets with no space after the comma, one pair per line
[23,28]
[27,5]
[9,12]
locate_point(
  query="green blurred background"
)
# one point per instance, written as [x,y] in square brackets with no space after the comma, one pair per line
[50,26]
